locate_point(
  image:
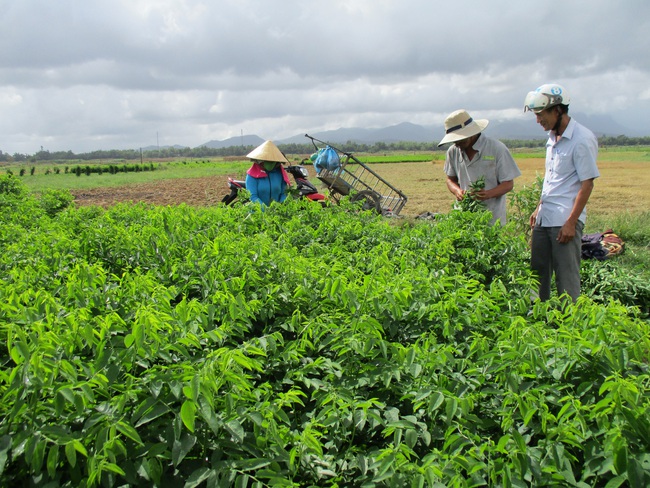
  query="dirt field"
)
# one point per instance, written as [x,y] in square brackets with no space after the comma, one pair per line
[623,186]
[421,182]
[192,191]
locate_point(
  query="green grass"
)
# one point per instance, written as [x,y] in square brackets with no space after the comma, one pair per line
[528,153]
[413,157]
[199,169]
[628,154]
[619,153]
[636,231]
[163,171]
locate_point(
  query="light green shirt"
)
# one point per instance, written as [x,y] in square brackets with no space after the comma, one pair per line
[494,161]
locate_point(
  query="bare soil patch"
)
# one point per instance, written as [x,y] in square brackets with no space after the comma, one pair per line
[196,192]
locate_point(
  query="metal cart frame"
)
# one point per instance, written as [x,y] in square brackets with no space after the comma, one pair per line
[353,178]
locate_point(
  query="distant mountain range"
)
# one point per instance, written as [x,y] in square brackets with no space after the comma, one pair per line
[408,132]
[236,141]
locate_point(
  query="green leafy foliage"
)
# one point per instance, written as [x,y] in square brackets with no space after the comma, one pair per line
[522,204]
[302,346]
[55,201]
[9,185]
[607,280]
[469,202]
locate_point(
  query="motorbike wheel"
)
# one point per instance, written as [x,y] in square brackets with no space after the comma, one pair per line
[371,200]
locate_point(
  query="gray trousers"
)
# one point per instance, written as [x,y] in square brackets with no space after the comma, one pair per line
[547,256]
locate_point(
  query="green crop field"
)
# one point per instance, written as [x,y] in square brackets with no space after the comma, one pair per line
[45,177]
[203,345]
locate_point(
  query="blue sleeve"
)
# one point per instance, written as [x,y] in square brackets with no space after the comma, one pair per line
[252,187]
[585,156]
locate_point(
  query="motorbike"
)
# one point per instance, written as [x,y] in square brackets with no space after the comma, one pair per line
[304,187]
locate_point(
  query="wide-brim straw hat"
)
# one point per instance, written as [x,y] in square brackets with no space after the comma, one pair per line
[460,125]
[267,151]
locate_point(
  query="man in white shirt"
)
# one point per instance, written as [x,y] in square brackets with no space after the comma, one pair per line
[474,155]
[559,219]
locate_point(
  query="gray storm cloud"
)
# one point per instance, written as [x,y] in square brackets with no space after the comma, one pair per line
[111,74]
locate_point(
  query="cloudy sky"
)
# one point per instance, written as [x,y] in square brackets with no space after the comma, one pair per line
[85,75]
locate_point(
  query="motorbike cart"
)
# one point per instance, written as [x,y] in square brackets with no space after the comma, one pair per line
[350,177]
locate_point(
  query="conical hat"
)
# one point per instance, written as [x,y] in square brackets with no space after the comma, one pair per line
[267,151]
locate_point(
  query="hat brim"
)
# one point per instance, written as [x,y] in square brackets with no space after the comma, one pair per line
[470,130]
[267,151]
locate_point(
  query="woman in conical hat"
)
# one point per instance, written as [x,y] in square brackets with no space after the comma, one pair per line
[266,179]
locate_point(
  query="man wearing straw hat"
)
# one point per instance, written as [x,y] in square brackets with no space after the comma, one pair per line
[474,155]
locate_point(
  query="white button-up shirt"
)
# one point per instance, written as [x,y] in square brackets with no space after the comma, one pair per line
[570,160]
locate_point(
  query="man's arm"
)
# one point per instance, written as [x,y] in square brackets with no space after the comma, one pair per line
[501,189]
[452,185]
[568,230]
[533,216]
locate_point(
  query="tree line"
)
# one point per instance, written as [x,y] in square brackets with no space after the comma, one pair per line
[235,151]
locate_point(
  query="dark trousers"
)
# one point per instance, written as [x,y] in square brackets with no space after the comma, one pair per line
[548,256]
